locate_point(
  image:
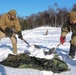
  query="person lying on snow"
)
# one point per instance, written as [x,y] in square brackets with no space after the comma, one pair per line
[8,23]
[23,60]
[70,25]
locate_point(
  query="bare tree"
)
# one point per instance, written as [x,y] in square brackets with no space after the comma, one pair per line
[74,7]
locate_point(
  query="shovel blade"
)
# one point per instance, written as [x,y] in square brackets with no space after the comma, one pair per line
[33,48]
[36,46]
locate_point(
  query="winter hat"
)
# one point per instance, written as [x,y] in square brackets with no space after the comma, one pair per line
[12,12]
[72,16]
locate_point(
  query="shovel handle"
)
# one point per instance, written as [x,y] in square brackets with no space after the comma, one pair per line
[25,41]
[59,44]
[22,39]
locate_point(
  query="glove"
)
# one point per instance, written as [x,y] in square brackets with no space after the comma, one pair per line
[20,35]
[8,32]
[62,39]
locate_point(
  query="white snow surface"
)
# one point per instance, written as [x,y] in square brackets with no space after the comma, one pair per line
[45,42]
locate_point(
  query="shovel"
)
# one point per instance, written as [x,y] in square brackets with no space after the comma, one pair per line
[53,50]
[35,46]
[58,45]
[25,41]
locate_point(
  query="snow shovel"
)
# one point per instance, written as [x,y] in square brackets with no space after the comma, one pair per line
[52,50]
[25,41]
[35,46]
[58,45]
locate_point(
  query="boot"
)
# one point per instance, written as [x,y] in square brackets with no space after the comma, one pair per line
[15,52]
[72,51]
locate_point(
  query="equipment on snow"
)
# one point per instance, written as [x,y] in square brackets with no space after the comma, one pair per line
[52,50]
[25,61]
[35,46]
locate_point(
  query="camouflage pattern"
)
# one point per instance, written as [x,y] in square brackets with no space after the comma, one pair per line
[25,61]
[67,27]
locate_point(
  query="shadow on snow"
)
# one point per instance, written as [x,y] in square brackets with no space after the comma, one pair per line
[2,70]
[64,55]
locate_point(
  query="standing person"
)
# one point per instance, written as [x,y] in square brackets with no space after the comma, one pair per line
[8,24]
[70,25]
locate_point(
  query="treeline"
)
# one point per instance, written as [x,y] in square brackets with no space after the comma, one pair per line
[54,16]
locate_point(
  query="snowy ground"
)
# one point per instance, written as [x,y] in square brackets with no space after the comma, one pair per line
[36,36]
